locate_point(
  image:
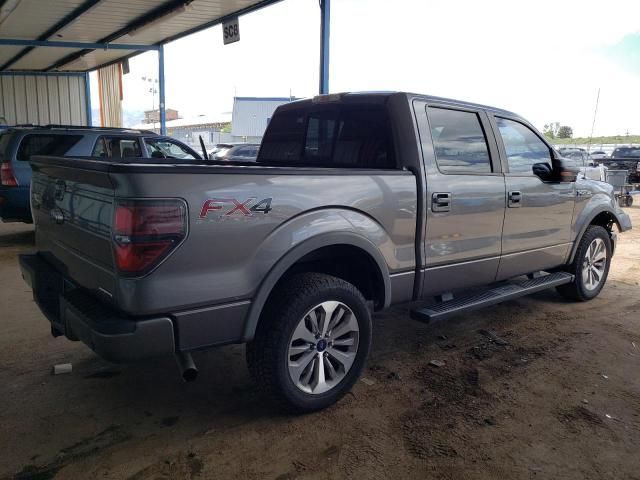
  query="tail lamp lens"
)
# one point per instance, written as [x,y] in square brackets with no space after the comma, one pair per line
[7,178]
[145,232]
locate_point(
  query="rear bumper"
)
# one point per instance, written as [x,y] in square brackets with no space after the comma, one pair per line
[112,335]
[14,204]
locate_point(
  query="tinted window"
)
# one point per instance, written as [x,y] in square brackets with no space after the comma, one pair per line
[284,138]
[337,136]
[459,141]
[46,145]
[163,148]
[117,147]
[522,146]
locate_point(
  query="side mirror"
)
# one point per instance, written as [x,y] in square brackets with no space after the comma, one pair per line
[565,170]
[543,170]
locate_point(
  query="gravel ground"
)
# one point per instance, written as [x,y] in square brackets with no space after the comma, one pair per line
[533,388]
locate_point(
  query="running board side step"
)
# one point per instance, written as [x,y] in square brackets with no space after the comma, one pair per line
[499,294]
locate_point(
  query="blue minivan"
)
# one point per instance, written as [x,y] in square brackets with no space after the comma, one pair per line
[18,144]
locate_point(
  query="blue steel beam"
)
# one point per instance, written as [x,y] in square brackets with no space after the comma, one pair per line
[87,45]
[87,96]
[163,118]
[325,30]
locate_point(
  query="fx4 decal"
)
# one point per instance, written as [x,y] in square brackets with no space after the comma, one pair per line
[231,206]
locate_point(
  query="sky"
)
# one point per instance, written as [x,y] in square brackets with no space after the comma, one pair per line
[542,59]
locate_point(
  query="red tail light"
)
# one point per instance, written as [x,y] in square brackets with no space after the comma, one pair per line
[7,178]
[145,232]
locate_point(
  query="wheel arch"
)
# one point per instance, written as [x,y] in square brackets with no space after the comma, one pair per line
[602,217]
[314,252]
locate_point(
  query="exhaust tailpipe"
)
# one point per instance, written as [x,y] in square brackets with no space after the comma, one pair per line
[188,369]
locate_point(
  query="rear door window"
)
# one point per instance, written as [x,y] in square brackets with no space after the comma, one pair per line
[117,147]
[459,141]
[347,136]
[46,144]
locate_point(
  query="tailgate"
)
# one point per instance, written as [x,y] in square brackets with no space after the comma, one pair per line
[72,206]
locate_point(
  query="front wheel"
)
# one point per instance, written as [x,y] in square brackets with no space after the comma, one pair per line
[590,265]
[312,342]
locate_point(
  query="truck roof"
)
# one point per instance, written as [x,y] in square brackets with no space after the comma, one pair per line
[381,96]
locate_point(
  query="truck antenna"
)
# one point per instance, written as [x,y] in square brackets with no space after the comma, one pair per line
[593,124]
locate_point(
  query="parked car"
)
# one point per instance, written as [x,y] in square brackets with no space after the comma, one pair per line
[598,155]
[625,158]
[356,202]
[235,152]
[18,144]
[588,167]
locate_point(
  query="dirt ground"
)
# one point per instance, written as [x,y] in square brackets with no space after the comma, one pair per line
[555,395]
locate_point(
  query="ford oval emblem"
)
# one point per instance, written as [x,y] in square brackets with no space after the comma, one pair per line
[57,215]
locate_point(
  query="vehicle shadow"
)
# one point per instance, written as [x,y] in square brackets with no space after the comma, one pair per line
[17,238]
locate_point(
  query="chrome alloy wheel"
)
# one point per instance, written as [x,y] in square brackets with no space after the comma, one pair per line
[594,264]
[323,347]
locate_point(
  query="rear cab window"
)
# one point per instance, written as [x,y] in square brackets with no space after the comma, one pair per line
[45,144]
[335,136]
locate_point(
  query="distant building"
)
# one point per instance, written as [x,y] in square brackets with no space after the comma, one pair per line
[211,129]
[248,122]
[151,116]
[251,116]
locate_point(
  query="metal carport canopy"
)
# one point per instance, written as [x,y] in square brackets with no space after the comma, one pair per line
[38,37]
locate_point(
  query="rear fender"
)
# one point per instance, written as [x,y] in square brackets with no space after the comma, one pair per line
[312,231]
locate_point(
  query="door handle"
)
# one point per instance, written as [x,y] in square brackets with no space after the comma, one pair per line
[441,202]
[515,199]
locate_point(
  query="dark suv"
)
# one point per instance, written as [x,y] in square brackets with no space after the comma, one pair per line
[18,144]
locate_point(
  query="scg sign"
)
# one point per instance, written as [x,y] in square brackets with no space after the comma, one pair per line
[231,31]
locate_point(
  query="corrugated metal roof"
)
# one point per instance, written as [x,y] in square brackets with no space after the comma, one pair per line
[140,22]
[252,114]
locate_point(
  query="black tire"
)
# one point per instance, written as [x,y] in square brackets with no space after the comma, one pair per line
[629,202]
[577,290]
[267,354]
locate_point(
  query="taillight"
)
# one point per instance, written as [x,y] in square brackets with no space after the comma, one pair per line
[7,178]
[145,232]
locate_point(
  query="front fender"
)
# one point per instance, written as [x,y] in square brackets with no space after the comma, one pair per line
[308,232]
[597,206]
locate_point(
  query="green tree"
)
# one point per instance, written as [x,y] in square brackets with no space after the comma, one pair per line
[551,129]
[565,132]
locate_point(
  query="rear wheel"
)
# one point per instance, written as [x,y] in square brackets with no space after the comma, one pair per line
[312,342]
[629,202]
[590,265]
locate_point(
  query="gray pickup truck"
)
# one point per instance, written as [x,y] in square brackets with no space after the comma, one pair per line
[356,202]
